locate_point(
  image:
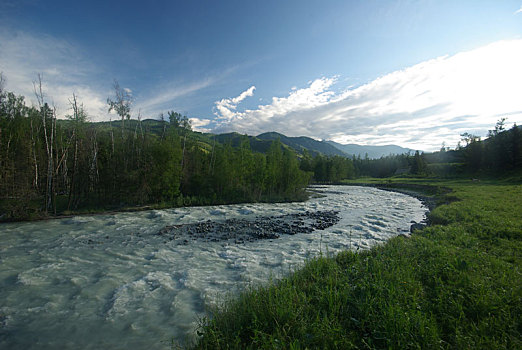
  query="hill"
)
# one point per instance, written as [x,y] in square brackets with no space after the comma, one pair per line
[303,143]
[372,151]
[235,139]
[261,143]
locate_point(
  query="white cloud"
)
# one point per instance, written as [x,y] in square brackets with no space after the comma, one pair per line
[518,11]
[226,106]
[164,98]
[199,124]
[66,69]
[62,65]
[417,107]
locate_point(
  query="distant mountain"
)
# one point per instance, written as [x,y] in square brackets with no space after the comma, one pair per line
[372,151]
[301,143]
[261,143]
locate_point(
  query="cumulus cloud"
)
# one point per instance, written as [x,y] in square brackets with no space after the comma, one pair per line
[199,124]
[225,107]
[417,107]
[518,11]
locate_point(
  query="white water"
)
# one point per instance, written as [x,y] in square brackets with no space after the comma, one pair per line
[109,281]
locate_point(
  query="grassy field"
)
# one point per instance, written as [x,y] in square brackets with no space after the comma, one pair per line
[456,284]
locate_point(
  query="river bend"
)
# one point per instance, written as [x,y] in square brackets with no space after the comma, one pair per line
[112,281]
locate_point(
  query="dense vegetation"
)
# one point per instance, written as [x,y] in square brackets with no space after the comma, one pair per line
[51,166]
[501,152]
[456,284]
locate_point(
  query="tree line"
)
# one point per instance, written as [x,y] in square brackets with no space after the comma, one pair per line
[53,166]
[501,152]
[498,154]
[326,169]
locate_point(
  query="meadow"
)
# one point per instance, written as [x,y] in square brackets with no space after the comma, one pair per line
[454,284]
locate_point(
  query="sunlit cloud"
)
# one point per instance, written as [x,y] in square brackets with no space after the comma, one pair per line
[200,125]
[225,107]
[518,11]
[417,107]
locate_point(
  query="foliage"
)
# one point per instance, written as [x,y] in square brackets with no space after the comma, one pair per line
[501,152]
[73,165]
[456,284]
[328,169]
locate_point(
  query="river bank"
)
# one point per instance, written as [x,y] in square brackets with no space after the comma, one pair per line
[35,215]
[455,284]
[131,279]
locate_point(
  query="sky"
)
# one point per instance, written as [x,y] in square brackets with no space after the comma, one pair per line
[414,73]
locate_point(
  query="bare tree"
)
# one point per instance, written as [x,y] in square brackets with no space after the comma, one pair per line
[45,111]
[93,169]
[121,103]
[78,118]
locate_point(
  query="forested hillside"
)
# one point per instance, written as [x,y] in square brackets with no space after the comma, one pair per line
[304,144]
[498,155]
[50,166]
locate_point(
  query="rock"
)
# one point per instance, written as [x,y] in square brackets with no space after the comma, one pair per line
[241,230]
[417,226]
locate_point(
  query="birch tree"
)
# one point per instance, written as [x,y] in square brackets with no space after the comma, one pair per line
[121,104]
[46,113]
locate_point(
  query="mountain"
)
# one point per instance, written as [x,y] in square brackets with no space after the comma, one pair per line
[301,143]
[372,151]
[234,139]
[261,143]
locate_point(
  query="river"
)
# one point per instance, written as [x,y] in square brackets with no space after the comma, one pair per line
[111,281]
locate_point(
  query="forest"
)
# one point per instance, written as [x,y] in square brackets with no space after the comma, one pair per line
[499,154]
[54,166]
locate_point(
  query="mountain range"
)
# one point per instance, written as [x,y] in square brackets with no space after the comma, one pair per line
[301,144]
[261,142]
[371,151]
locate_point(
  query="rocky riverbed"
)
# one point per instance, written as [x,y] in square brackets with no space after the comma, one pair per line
[239,231]
[142,279]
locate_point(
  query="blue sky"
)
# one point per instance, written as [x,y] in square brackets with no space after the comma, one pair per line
[413,73]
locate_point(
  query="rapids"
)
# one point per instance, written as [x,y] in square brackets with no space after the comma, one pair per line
[111,281]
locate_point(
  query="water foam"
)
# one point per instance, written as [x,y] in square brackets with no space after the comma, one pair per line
[110,281]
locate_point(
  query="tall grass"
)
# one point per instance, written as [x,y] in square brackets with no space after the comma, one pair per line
[455,284]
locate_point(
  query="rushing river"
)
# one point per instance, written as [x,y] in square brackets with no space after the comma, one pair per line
[111,281]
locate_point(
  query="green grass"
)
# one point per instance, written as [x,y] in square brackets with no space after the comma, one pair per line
[454,285]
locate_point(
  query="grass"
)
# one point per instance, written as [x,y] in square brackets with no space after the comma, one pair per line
[457,284]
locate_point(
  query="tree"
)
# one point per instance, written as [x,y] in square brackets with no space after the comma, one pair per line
[497,148]
[516,146]
[78,119]
[121,104]
[419,165]
[46,114]
[473,151]
[274,158]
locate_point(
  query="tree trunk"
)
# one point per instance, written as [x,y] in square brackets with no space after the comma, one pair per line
[33,144]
